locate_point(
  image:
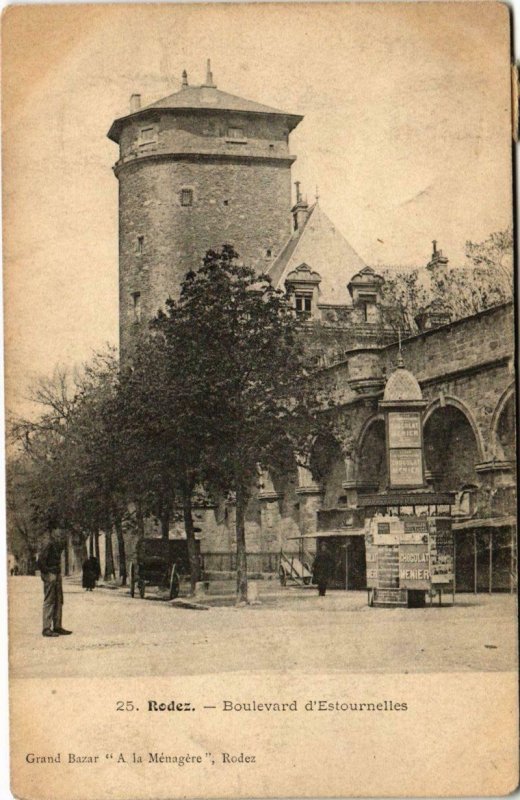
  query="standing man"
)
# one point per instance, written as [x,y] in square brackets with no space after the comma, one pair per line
[323,568]
[49,564]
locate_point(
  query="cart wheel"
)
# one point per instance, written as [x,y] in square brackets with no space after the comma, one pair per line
[283,577]
[132,579]
[141,589]
[174,584]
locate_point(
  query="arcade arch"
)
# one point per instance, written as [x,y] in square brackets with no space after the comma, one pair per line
[503,427]
[327,465]
[452,445]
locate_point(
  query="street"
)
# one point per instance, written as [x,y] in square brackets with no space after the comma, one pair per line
[294,629]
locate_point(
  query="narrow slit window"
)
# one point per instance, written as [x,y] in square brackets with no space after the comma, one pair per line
[136,297]
[140,245]
[186,197]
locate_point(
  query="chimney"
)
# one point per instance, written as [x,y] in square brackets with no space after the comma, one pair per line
[300,210]
[209,75]
[184,79]
[437,259]
[135,103]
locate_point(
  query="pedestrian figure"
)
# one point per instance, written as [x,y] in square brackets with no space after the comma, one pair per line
[91,573]
[49,564]
[323,568]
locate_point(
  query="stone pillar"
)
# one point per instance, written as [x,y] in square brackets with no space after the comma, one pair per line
[269,511]
[433,478]
[350,484]
[310,495]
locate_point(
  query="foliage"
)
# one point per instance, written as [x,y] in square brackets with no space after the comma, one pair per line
[164,429]
[23,535]
[486,281]
[403,296]
[74,476]
[242,362]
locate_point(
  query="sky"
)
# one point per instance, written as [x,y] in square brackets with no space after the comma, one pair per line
[406,134]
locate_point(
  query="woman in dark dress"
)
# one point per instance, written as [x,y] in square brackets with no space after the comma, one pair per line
[91,573]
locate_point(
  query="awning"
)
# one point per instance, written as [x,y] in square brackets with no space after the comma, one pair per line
[406,499]
[329,534]
[484,522]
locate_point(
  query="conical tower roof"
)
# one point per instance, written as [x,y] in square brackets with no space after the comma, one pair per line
[203,98]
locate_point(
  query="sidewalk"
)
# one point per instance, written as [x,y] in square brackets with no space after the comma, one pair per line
[218,593]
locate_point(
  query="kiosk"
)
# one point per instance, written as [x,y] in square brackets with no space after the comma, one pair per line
[409,545]
[408,558]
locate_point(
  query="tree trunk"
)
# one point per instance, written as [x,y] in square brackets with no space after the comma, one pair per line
[193,554]
[241,505]
[139,517]
[66,566]
[121,548]
[165,507]
[165,521]
[91,544]
[96,546]
[109,556]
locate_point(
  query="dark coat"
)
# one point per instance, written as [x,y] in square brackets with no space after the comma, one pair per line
[91,572]
[50,559]
[323,567]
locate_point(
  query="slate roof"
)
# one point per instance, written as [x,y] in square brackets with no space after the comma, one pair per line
[207,98]
[211,97]
[323,247]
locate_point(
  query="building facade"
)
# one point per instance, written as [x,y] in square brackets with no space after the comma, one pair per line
[201,168]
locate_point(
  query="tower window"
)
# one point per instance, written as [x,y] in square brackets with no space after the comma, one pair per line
[186,197]
[236,134]
[303,305]
[140,245]
[226,202]
[136,297]
[147,136]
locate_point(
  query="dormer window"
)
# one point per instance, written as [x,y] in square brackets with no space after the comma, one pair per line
[369,307]
[303,304]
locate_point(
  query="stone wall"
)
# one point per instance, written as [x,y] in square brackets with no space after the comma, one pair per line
[238,203]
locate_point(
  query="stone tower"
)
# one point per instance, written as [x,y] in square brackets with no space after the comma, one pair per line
[197,169]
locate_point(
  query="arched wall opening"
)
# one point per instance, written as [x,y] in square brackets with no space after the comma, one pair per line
[505,430]
[372,468]
[451,449]
[327,466]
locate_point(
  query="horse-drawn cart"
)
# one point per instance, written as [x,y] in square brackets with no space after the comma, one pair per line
[161,563]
